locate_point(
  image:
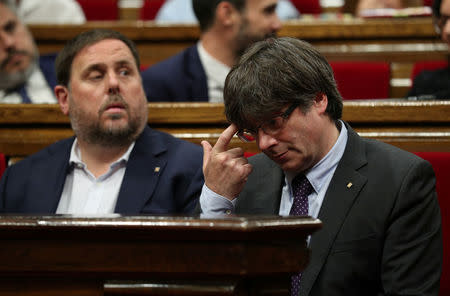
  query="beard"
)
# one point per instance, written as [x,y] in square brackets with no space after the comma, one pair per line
[245,38]
[94,131]
[10,80]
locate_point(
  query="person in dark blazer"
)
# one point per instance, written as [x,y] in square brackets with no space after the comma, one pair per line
[198,73]
[381,231]
[435,84]
[24,76]
[115,163]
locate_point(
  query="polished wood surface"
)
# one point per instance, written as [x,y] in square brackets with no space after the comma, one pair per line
[151,254]
[410,125]
[398,41]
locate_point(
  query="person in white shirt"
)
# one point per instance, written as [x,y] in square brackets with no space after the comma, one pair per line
[25,77]
[227,29]
[50,12]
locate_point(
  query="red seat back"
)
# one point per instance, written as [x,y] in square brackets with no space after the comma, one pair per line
[307,6]
[100,10]
[362,80]
[441,165]
[150,9]
[2,164]
[426,65]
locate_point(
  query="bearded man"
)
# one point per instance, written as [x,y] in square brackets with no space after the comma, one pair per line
[115,163]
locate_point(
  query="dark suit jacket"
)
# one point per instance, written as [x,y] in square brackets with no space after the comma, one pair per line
[35,184]
[435,83]
[177,79]
[47,65]
[381,236]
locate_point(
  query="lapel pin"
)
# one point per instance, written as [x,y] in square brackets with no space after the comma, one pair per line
[350,184]
[157,169]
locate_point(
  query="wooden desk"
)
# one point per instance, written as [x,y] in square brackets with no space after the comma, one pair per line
[410,125]
[150,255]
[398,41]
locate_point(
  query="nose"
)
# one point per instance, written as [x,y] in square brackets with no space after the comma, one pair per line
[265,141]
[113,83]
[276,23]
[6,40]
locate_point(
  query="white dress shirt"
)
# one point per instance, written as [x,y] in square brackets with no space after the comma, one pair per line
[83,193]
[216,73]
[37,89]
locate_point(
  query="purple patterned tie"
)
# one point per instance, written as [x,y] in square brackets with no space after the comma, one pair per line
[301,188]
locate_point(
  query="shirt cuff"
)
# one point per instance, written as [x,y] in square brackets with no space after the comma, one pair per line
[213,204]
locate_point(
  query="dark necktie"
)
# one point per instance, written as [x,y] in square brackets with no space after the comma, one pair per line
[301,188]
[24,95]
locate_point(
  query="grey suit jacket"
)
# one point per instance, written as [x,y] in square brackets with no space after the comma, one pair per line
[380,236]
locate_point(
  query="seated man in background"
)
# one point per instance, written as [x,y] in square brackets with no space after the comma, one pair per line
[50,12]
[24,76]
[115,163]
[435,84]
[181,11]
[227,29]
[381,231]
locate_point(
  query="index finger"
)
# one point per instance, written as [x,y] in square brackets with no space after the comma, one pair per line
[225,138]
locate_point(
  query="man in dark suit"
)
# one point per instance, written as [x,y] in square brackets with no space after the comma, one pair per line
[381,230]
[435,84]
[24,76]
[115,163]
[227,29]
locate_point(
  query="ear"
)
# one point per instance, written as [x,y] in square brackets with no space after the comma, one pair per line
[321,102]
[62,94]
[226,13]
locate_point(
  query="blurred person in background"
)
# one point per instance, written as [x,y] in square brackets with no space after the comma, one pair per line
[435,84]
[181,11]
[25,77]
[227,28]
[50,12]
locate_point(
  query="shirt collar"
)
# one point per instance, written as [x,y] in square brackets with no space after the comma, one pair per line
[75,156]
[318,173]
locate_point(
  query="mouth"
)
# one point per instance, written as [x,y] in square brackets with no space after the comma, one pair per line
[280,157]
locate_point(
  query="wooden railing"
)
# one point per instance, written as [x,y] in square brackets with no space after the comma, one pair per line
[150,255]
[398,41]
[410,125]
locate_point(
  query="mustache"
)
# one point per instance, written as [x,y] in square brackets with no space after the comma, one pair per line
[115,99]
[11,53]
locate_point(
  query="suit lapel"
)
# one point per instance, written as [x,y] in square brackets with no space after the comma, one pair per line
[48,177]
[196,73]
[146,163]
[343,190]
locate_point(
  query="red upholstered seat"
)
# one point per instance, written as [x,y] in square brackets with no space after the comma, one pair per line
[100,10]
[307,6]
[362,80]
[150,9]
[2,164]
[441,165]
[426,65]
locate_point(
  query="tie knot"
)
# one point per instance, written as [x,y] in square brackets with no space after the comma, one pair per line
[301,186]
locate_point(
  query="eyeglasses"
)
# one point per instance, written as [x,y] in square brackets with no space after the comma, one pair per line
[271,127]
[439,23]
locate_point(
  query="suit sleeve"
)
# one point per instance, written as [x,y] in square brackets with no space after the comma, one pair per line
[412,255]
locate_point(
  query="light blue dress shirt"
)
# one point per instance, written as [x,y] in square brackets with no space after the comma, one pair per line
[181,11]
[319,176]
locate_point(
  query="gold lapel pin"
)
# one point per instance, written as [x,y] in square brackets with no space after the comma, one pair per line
[157,169]
[350,184]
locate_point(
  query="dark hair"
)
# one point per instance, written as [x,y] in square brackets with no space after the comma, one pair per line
[205,10]
[274,73]
[436,8]
[63,63]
